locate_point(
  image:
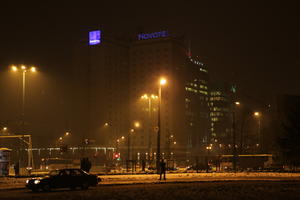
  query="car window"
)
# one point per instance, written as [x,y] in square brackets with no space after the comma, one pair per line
[77,172]
[68,172]
[62,173]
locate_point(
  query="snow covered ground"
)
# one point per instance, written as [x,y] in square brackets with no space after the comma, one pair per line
[11,182]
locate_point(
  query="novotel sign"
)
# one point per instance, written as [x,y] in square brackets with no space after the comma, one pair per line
[146,36]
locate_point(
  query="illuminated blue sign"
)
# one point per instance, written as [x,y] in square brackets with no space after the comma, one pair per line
[94,37]
[145,36]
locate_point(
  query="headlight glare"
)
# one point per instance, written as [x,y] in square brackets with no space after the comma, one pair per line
[36,181]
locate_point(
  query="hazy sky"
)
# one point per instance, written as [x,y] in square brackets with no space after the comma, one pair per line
[252,43]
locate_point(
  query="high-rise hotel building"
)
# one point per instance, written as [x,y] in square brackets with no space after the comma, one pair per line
[113,79]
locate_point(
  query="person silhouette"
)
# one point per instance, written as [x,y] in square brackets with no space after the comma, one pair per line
[162,169]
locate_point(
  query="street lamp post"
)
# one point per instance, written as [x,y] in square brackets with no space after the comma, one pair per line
[161,82]
[24,70]
[208,149]
[258,116]
[150,104]
[128,149]
[234,153]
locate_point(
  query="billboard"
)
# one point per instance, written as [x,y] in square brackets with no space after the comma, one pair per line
[145,36]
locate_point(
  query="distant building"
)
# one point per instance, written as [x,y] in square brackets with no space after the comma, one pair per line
[197,118]
[221,114]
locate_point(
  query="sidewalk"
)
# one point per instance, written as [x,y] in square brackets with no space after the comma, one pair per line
[16,183]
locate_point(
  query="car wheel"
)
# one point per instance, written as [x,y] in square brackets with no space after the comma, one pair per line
[85,185]
[46,188]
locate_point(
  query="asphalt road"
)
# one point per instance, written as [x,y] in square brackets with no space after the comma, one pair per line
[224,190]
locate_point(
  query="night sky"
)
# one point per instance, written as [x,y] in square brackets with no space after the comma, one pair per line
[252,43]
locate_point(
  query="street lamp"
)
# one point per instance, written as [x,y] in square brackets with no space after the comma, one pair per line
[4,129]
[150,98]
[258,116]
[128,149]
[208,149]
[162,82]
[24,70]
[234,153]
[137,124]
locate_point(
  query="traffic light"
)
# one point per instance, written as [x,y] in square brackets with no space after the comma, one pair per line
[117,156]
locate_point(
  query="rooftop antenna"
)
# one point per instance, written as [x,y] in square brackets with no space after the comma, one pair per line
[189,53]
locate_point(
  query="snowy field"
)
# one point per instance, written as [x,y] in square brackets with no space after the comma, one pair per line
[224,190]
[9,183]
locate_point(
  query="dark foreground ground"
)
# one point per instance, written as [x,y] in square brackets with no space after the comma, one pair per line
[231,190]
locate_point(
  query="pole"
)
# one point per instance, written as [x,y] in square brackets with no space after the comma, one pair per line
[158,131]
[259,135]
[30,155]
[23,98]
[150,130]
[128,152]
[242,135]
[234,141]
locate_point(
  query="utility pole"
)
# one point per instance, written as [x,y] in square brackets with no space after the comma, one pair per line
[128,152]
[234,153]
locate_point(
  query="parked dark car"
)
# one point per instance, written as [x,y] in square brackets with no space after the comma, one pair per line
[63,178]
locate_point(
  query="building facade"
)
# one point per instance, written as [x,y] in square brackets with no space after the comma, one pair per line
[221,116]
[113,79]
[100,90]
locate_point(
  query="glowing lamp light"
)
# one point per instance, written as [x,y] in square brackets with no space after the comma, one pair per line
[14,68]
[256,114]
[145,96]
[154,96]
[137,124]
[162,81]
[33,69]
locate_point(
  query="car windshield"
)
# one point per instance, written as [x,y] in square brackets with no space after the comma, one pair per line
[53,173]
